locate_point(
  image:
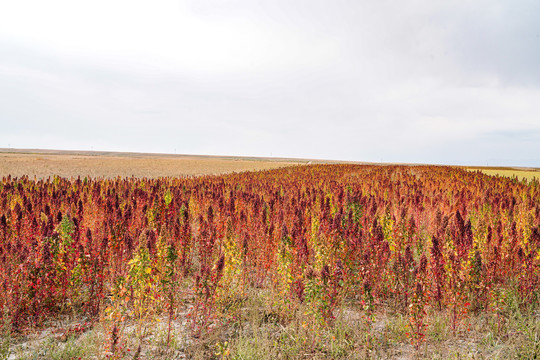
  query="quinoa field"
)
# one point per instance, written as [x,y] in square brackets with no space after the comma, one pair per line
[302,262]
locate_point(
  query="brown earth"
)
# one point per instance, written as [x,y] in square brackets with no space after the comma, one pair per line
[47,163]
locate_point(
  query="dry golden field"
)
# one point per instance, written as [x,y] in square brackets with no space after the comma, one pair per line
[45,163]
[520,173]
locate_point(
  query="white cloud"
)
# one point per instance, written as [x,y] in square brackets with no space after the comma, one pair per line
[414,81]
[162,34]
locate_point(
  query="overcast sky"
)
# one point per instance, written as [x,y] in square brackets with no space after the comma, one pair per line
[454,82]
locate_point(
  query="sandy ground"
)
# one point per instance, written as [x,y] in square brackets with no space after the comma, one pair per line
[46,163]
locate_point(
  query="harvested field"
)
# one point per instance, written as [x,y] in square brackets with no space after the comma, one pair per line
[44,163]
[520,173]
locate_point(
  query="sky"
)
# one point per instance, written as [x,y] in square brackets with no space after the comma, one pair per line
[414,81]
